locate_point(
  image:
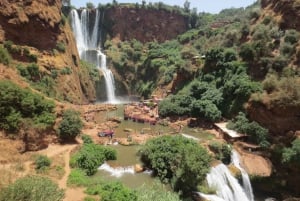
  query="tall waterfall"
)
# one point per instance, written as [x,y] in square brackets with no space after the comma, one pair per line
[87,41]
[227,187]
[245,177]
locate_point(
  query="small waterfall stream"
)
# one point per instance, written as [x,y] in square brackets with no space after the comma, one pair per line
[245,177]
[87,42]
[227,187]
[118,171]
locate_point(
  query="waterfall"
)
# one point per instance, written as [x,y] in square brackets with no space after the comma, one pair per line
[117,172]
[245,177]
[227,187]
[87,42]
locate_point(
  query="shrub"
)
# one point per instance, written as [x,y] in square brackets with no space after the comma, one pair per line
[292,154]
[91,156]
[32,188]
[60,46]
[176,160]
[5,57]
[77,177]
[222,151]
[157,192]
[66,71]
[113,191]
[42,162]
[87,139]
[70,126]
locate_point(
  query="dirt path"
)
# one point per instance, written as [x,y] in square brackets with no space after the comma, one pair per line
[71,194]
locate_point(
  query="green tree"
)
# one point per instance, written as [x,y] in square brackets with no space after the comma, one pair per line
[32,188]
[70,126]
[91,156]
[205,109]
[292,154]
[176,160]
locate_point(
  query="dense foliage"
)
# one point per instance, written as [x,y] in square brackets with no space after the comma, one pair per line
[221,89]
[17,104]
[177,160]
[256,132]
[32,188]
[70,126]
[91,156]
[292,154]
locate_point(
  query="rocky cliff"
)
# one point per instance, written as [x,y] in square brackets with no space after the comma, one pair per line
[289,12]
[39,26]
[143,24]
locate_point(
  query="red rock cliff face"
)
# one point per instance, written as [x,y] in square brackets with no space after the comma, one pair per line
[37,25]
[144,24]
[289,11]
[32,23]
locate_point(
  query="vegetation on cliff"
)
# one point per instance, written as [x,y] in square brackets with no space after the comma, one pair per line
[22,106]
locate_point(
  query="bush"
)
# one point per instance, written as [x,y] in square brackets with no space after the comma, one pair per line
[77,177]
[5,57]
[60,46]
[87,139]
[222,151]
[292,154]
[114,191]
[32,188]
[176,160]
[70,126]
[42,162]
[66,71]
[91,156]
[157,192]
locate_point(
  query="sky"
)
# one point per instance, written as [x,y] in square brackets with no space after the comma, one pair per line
[210,6]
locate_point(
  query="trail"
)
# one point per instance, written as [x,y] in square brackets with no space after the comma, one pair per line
[71,194]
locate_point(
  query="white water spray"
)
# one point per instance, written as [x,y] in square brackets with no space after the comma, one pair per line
[117,172]
[227,187]
[88,47]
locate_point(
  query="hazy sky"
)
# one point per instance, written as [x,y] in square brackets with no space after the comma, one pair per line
[211,6]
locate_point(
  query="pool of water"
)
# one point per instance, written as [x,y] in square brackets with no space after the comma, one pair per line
[127,155]
[126,158]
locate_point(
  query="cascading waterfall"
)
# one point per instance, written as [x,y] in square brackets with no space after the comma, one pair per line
[245,177]
[88,47]
[227,187]
[117,172]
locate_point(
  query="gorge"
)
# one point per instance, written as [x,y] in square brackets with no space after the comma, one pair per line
[64,72]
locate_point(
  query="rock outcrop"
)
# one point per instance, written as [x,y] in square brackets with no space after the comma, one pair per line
[288,10]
